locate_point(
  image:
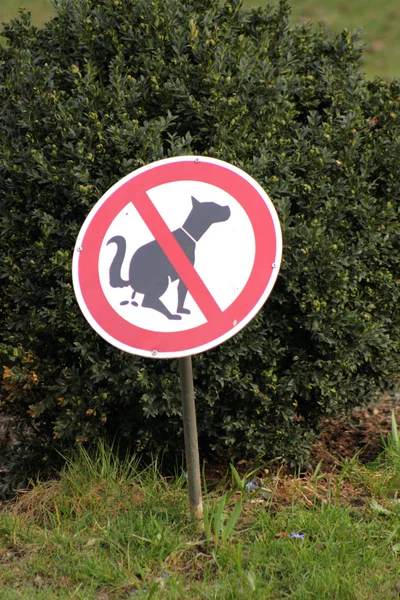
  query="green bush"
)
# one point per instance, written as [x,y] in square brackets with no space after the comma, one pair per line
[110,85]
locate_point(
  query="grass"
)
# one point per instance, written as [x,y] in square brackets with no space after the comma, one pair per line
[110,530]
[378,20]
[42,10]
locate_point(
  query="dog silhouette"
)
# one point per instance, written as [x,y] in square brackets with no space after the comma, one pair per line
[150,271]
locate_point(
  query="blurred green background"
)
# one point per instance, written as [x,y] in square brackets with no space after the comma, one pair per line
[379,21]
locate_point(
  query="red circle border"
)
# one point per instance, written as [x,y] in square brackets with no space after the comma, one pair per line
[140,182]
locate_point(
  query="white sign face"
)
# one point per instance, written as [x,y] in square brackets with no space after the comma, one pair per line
[229,250]
[177,257]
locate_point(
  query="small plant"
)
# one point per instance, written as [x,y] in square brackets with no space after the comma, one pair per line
[218,525]
[394,439]
[391,444]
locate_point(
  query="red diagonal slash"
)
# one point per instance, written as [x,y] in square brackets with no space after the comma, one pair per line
[176,256]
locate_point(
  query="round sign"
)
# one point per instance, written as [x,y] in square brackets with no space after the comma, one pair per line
[177,257]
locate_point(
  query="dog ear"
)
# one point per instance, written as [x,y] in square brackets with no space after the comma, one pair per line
[195,202]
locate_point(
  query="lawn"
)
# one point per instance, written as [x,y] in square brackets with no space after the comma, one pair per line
[378,19]
[42,10]
[108,530]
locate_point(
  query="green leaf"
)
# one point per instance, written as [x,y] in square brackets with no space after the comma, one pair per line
[219,517]
[230,525]
[378,508]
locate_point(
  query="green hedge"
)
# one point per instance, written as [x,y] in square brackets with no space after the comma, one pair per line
[110,85]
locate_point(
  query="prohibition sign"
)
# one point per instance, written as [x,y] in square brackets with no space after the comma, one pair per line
[219,307]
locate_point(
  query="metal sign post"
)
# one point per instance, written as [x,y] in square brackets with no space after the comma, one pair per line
[191,442]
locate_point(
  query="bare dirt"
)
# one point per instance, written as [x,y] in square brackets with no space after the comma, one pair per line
[362,433]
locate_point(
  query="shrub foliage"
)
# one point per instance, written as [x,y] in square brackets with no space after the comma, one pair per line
[109,85]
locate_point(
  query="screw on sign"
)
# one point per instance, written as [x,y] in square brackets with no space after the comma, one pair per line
[175,259]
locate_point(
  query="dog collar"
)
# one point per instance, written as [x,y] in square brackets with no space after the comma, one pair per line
[191,237]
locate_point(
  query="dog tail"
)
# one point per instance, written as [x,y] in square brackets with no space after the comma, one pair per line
[116,280]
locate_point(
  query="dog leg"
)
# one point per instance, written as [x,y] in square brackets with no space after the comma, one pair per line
[132,299]
[156,304]
[182,292]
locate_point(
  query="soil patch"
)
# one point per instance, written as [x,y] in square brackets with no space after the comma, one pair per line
[363,432]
